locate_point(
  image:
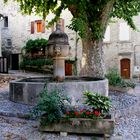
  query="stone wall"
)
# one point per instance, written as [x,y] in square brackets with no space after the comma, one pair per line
[115,50]
[6,78]
[19,31]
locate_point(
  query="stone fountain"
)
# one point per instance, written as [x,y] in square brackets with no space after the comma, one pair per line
[58,49]
[27,90]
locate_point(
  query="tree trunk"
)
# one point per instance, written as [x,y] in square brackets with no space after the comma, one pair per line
[93,64]
[92,61]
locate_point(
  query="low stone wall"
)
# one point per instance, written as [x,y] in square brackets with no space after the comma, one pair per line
[28,92]
[120,89]
[74,90]
[6,78]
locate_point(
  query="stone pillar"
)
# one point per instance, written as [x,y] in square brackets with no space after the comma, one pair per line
[59,68]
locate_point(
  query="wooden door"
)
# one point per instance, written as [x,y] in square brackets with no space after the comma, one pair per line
[68,69]
[125,68]
[15,61]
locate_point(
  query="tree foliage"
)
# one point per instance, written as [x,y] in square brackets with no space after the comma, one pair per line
[87,14]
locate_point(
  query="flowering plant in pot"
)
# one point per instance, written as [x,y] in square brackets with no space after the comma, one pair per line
[96,106]
[99,103]
[82,112]
[56,116]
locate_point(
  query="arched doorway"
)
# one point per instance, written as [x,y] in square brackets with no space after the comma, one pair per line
[125,68]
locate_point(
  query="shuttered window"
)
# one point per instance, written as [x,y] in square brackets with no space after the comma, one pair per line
[32,27]
[43,26]
[38,26]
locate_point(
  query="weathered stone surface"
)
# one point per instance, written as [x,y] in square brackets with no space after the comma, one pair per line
[6,78]
[12,136]
[28,92]
[82,126]
[120,89]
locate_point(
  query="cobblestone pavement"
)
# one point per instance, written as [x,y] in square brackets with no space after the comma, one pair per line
[126,111]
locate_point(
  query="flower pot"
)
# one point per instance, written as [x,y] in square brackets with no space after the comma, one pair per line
[81,126]
[120,89]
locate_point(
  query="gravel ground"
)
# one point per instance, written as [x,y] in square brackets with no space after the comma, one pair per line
[126,111]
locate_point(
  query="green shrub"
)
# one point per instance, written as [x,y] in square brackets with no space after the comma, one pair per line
[130,83]
[36,62]
[50,107]
[36,65]
[113,77]
[54,106]
[116,80]
[34,58]
[35,45]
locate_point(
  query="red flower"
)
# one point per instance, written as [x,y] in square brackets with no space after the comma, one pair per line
[88,113]
[68,113]
[97,113]
[76,113]
[82,110]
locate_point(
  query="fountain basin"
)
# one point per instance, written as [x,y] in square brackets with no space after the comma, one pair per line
[27,90]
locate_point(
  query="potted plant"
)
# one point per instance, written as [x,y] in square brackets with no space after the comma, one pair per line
[117,83]
[50,107]
[99,103]
[90,118]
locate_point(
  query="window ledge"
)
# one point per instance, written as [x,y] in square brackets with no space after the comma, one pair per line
[125,41]
[4,27]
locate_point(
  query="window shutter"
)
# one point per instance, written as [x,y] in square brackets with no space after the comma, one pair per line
[32,27]
[43,26]
[39,26]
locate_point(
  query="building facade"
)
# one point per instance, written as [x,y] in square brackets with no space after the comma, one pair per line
[17,29]
[121,44]
[122,48]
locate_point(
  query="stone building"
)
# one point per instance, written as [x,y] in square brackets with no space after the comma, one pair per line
[122,48]
[17,29]
[121,44]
